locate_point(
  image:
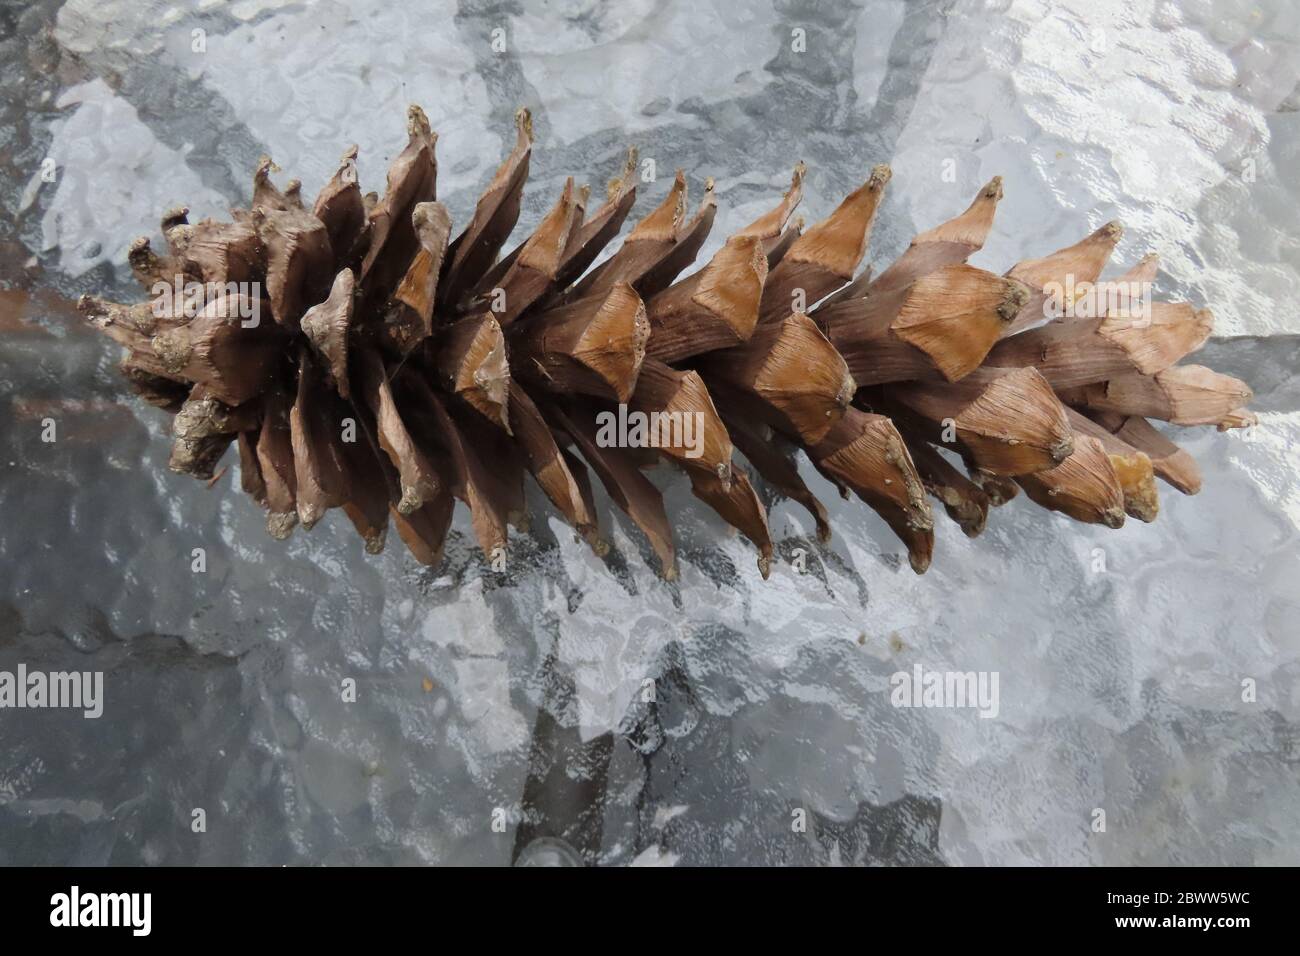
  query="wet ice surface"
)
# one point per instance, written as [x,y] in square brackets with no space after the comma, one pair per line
[522,697]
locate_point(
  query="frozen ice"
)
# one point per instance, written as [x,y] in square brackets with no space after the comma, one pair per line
[587,701]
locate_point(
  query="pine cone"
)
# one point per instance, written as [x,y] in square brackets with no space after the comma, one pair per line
[401,368]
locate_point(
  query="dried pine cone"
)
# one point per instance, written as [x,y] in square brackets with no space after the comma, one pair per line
[401,368]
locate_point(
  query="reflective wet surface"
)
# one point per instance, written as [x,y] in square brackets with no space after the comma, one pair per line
[320,705]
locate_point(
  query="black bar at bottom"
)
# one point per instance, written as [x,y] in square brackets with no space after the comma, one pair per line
[337,905]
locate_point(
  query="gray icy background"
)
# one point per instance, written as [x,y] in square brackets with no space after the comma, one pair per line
[522,693]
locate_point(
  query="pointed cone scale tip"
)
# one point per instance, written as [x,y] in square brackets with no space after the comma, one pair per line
[524,125]
[431,215]
[626,179]
[770,224]
[834,247]
[664,222]
[679,193]
[262,178]
[417,124]
[176,215]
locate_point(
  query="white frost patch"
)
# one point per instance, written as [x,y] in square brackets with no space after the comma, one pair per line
[114,180]
[654,856]
[326,90]
[461,625]
[589,83]
[483,694]
[663,814]
[1113,109]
